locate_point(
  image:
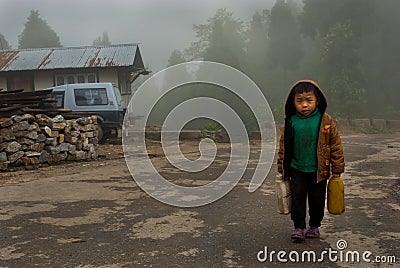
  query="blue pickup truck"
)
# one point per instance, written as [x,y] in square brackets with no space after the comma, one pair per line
[104,99]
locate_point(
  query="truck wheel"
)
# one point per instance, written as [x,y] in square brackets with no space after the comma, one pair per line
[100,132]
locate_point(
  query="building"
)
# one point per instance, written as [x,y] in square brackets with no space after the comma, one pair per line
[39,68]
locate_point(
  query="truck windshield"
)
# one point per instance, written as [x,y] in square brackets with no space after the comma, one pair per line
[117,94]
[90,96]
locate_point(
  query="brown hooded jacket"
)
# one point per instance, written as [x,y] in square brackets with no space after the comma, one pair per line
[329,146]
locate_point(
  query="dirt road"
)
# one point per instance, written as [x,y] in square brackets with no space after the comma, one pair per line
[92,214]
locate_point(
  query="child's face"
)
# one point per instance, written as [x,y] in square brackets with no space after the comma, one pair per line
[305,102]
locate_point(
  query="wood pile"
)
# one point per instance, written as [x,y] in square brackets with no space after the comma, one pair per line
[18,102]
[32,140]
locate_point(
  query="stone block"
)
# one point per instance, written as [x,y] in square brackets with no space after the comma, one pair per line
[393,125]
[83,120]
[51,142]
[7,134]
[55,134]
[61,138]
[34,161]
[54,158]
[18,118]
[33,135]
[80,155]
[13,147]
[3,157]
[71,149]
[41,138]
[44,157]
[47,131]
[6,122]
[30,118]
[361,124]
[53,149]
[64,147]
[23,125]
[63,156]
[59,126]
[14,157]
[20,134]
[58,119]
[26,141]
[32,154]
[34,127]
[3,166]
[37,147]
[379,124]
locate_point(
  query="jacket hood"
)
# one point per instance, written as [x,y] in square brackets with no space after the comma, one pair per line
[289,105]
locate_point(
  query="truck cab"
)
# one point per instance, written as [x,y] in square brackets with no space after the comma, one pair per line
[104,99]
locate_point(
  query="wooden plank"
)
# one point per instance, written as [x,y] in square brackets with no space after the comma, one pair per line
[24,95]
[11,108]
[11,91]
[50,110]
[5,99]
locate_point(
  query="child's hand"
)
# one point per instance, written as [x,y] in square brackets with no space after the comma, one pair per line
[335,175]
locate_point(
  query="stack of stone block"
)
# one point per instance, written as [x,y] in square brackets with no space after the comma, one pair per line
[32,140]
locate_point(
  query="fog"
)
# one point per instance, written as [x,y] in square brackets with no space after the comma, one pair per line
[159,26]
[349,47]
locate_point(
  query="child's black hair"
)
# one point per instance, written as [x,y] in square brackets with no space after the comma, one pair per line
[305,87]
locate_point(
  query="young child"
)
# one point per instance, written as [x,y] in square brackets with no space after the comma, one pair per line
[309,150]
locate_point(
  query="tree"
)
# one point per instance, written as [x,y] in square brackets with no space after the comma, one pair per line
[257,45]
[257,49]
[221,40]
[285,44]
[102,40]
[319,16]
[380,56]
[284,53]
[349,46]
[37,33]
[3,43]
[342,71]
[176,57]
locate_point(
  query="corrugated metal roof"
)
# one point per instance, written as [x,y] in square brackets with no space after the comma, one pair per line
[69,57]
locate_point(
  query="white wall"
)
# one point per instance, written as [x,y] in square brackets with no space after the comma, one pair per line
[43,80]
[108,76]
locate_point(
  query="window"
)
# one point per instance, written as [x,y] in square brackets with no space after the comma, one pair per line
[91,78]
[71,79]
[90,96]
[81,79]
[117,94]
[62,79]
[59,96]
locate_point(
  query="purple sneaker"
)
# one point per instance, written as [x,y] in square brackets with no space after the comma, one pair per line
[312,232]
[298,235]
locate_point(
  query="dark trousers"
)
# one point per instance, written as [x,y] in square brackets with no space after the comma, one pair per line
[303,185]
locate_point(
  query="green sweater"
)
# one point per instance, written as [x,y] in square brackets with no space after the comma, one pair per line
[305,135]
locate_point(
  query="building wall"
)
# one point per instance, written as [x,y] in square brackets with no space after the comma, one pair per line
[3,83]
[43,80]
[108,76]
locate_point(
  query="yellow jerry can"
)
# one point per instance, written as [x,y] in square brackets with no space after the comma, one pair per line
[335,195]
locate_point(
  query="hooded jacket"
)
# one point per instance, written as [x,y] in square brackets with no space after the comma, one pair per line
[329,147]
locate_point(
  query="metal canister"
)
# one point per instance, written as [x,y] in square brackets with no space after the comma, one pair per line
[283,194]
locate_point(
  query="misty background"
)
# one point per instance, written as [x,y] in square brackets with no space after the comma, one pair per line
[160,26]
[350,47]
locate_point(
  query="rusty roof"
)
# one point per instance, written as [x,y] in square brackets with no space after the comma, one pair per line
[71,57]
